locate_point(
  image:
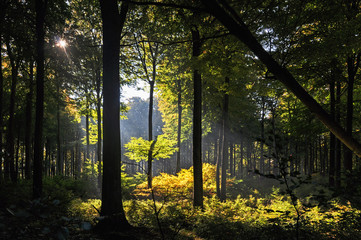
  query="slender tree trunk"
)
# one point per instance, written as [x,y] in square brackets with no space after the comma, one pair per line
[231,160]
[331,171]
[1,98]
[263,104]
[59,158]
[17,154]
[197,125]
[218,163]
[3,7]
[225,128]
[338,142]
[241,160]
[352,67]
[113,22]
[179,131]
[78,156]
[9,164]
[150,133]
[40,6]
[28,122]
[99,117]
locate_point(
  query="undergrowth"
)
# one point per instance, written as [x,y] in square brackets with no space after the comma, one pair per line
[255,213]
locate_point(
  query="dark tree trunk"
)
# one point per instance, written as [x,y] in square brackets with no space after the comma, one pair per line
[17,152]
[225,128]
[352,67]
[59,158]
[231,160]
[99,117]
[28,122]
[263,104]
[77,155]
[40,6]
[3,7]
[218,163]
[338,142]
[231,20]
[241,160]
[9,157]
[87,134]
[150,133]
[179,131]
[113,22]
[197,125]
[331,170]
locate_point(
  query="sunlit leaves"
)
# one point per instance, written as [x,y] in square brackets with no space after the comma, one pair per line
[138,148]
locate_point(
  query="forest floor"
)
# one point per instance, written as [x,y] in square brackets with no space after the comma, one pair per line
[70,210]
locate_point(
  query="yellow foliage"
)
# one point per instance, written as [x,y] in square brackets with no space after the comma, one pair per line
[180,186]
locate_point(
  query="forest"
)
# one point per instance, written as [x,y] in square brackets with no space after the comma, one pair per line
[187,119]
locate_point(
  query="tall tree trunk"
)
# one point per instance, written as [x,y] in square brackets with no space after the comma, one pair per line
[40,6]
[87,159]
[179,130]
[77,155]
[225,128]
[28,122]
[9,158]
[150,133]
[331,170]
[197,125]
[218,163]
[3,6]
[263,104]
[352,67]
[113,22]
[1,96]
[231,160]
[17,151]
[99,117]
[59,152]
[241,159]
[338,142]
[231,20]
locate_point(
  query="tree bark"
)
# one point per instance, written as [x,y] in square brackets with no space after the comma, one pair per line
[197,125]
[263,106]
[338,142]
[40,6]
[28,123]
[352,67]
[218,162]
[99,117]
[179,130]
[230,19]
[59,158]
[331,170]
[9,157]
[225,128]
[113,22]
[150,133]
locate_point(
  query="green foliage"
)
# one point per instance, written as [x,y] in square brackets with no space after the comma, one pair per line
[272,217]
[90,169]
[88,210]
[129,183]
[138,148]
